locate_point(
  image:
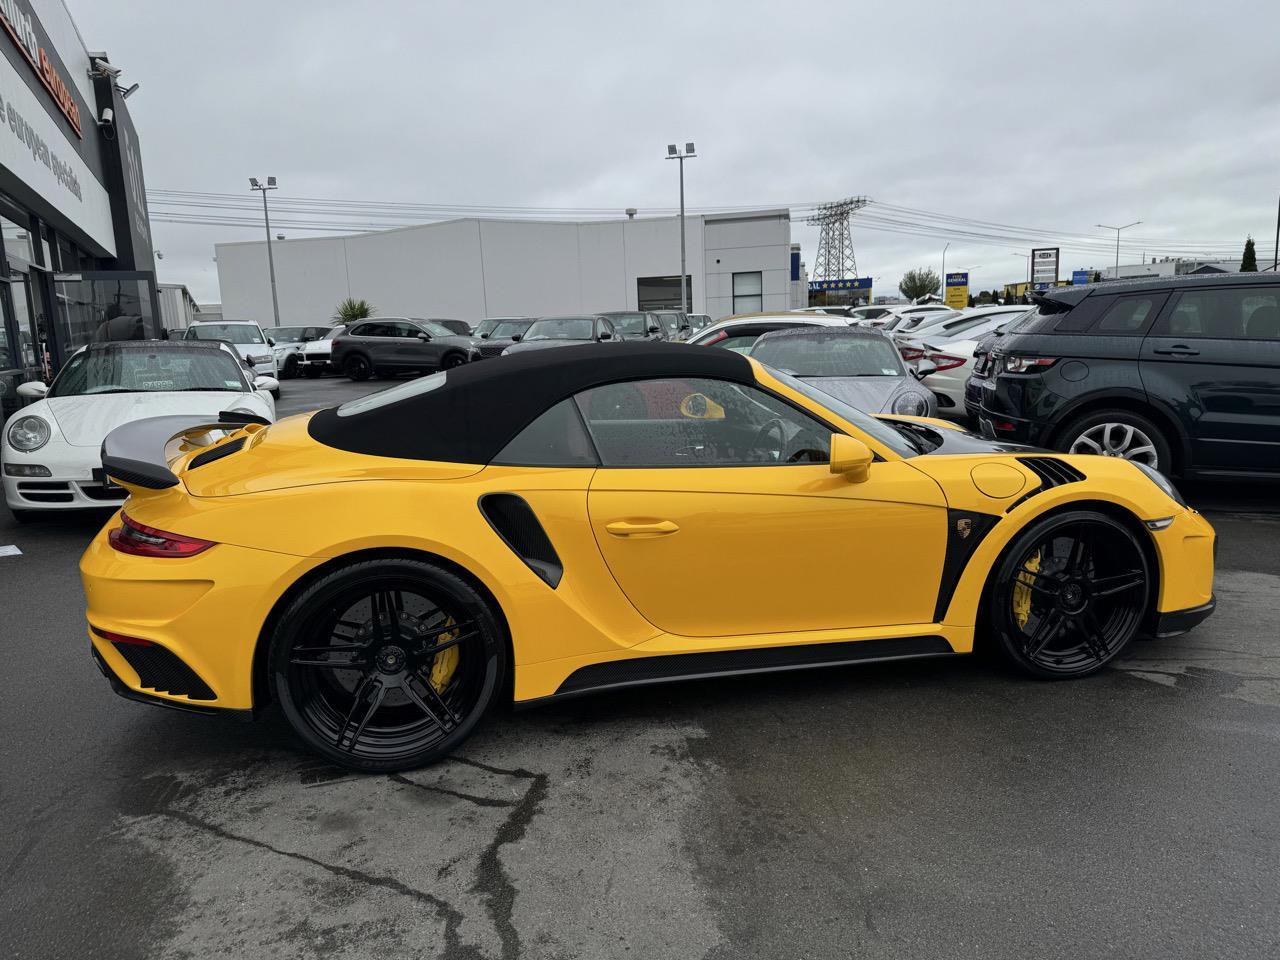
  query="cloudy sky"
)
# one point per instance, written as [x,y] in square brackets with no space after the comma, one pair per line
[1046,117]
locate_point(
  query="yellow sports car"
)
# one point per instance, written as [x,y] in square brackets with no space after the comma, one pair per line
[597,517]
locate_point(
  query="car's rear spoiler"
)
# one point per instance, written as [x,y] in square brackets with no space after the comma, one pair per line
[134,454]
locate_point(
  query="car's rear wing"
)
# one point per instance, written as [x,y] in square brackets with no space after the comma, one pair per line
[133,454]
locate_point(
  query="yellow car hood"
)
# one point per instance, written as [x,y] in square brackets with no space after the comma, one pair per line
[284,455]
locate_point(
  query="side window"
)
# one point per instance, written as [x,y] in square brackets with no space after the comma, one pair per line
[607,327]
[699,423]
[1128,316]
[370,330]
[1248,313]
[555,439]
[402,330]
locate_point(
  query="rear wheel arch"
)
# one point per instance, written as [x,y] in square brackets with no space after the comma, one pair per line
[262,694]
[1173,433]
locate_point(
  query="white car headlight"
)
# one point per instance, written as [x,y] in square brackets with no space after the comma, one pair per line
[261,358]
[1161,481]
[28,433]
[910,405]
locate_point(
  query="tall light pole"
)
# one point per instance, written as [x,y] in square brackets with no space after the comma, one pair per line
[673,153]
[944,272]
[1117,230]
[271,260]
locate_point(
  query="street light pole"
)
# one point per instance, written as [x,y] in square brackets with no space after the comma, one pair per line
[271,260]
[1275,262]
[675,154]
[1117,230]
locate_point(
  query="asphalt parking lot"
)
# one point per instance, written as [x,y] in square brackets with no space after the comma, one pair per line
[933,809]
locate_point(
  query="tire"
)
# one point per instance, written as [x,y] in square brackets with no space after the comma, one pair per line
[1069,594]
[452,360]
[1118,433]
[290,369]
[275,394]
[357,367]
[314,373]
[376,694]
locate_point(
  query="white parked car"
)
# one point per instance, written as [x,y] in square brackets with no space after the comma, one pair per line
[247,338]
[51,449]
[903,315]
[286,346]
[952,354]
[739,333]
[316,355]
[946,326]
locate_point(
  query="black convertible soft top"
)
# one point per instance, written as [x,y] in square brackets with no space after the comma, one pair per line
[483,405]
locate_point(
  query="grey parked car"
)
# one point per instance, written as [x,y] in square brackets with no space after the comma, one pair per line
[638,325]
[549,332]
[502,335]
[861,367]
[392,345]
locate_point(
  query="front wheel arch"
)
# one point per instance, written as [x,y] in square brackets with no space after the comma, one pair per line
[1175,436]
[982,641]
[262,695]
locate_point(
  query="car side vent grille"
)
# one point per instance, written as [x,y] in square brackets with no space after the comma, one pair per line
[162,670]
[216,453]
[1052,473]
[514,521]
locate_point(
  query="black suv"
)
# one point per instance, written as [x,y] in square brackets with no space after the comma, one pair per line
[1180,373]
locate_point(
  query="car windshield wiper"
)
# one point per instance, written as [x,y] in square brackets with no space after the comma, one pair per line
[99,393]
[200,389]
[910,436]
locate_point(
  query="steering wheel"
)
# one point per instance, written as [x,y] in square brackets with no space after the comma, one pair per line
[762,435]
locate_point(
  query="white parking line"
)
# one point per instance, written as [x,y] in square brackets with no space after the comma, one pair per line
[9,550]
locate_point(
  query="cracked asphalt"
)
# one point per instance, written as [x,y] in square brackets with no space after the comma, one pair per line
[936,809]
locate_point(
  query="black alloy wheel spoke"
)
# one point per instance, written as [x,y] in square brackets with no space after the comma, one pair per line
[1118,583]
[1079,554]
[1035,580]
[432,650]
[1094,638]
[379,693]
[406,687]
[350,663]
[1050,625]
[434,696]
[357,697]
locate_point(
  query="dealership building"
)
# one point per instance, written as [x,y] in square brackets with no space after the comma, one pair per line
[73,214]
[475,268]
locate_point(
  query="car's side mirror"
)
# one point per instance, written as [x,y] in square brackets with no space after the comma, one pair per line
[484,336]
[423,336]
[515,338]
[605,335]
[32,390]
[266,383]
[923,368]
[655,329]
[270,342]
[850,458]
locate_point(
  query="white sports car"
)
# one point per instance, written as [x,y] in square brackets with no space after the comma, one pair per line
[51,448]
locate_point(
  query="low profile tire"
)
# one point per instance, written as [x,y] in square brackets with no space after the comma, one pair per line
[1069,595]
[275,394]
[357,367]
[290,367]
[452,360]
[314,373]
[387,665]
[1118,433]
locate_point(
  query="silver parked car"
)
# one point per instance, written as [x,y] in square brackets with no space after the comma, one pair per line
[859,366]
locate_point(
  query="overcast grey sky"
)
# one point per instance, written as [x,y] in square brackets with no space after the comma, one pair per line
[1054,116]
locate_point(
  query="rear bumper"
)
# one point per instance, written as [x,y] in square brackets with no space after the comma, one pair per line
[1175,623]
[120,688]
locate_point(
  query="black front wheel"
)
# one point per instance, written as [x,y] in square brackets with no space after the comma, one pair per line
[290,369]
[357,367]
[387,665]
[452,360]
[1069,595]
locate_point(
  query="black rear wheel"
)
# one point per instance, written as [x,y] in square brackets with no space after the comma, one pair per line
[1069,595]
[357,367]
[452,360]
[387,665]
[290,369]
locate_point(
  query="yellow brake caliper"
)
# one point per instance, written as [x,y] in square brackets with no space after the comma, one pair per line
[1022,591]
[445,663]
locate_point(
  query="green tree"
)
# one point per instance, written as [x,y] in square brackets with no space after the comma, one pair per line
[350,310]
[1249,262]
[1097,277]
[918,283]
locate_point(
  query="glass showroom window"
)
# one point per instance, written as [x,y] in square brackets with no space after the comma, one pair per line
[748,292]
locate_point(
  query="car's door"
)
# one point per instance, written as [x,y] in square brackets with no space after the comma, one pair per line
[409,349]
[370,339]
[605,331]
[1213,357]
[717,514]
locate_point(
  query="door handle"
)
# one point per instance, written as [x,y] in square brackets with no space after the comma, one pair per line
[1177,350]
[641,531]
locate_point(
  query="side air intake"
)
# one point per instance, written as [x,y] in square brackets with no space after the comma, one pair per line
[514,521]
[216,453]
[1052,473]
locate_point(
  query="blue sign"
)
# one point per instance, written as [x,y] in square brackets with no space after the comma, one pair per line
[1043,286]
[958,279]
[1080,277]
[863,283]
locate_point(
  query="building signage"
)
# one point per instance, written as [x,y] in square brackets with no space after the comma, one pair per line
[859,285]
[1044,267]
[17,23]
[957,297]
[1080,277]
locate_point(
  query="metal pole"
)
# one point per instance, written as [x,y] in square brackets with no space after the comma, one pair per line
[1117,253]
[1275,262]
[944,273]
[271,261]
[684,290]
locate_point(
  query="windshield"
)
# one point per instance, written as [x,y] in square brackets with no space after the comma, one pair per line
[231,332]
[128,368]
[510,328]
[287,334]
[560,328]
[829,355]
[631,324]
[435,329]
[890,437]
[485,326]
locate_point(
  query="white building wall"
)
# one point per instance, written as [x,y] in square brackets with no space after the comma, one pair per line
[472,269]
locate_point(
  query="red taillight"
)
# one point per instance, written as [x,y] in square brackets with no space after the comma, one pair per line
[945,361]
[720,335]
[911,354]
[143,541]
